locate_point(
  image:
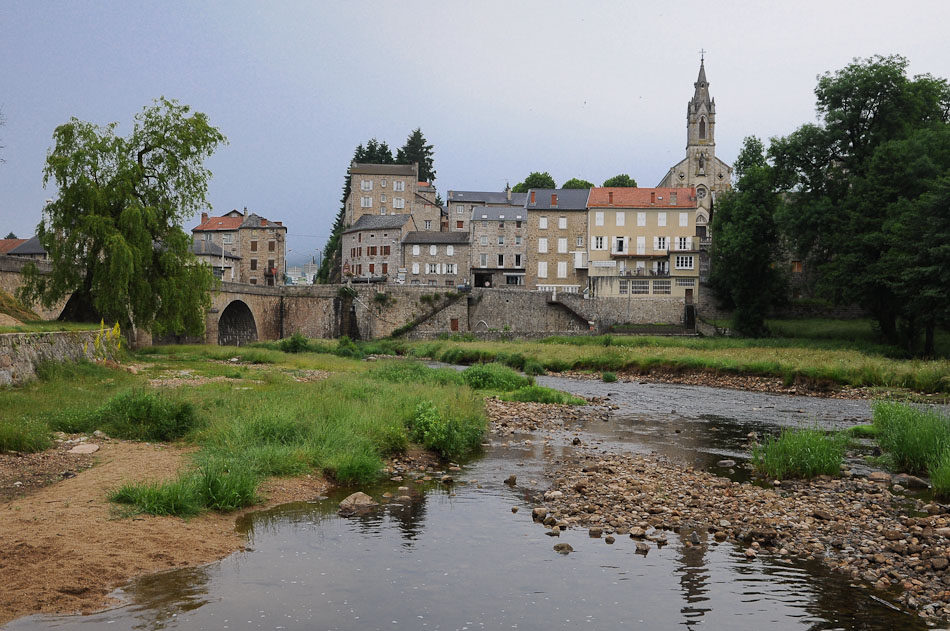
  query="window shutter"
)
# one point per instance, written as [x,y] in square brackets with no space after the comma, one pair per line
[689,243]
[656,243]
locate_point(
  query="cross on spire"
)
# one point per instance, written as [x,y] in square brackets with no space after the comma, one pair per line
[702,53]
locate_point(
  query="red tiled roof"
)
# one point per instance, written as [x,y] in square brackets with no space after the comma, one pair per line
[8,244]
[641,197]
[423,183]
[220,223]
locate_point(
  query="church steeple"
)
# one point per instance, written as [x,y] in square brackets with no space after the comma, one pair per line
[701,113]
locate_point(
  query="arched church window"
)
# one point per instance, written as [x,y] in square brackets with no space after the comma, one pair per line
[702,127]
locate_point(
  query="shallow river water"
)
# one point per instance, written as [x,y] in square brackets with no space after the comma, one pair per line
[458,557]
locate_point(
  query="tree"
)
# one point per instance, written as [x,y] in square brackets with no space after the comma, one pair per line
[114,231]
[577,183]
[833,214]
[623,180]
[416,150]
[10,235]
[534,180]
[744,273]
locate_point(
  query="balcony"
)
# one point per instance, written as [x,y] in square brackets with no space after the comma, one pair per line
[270,271]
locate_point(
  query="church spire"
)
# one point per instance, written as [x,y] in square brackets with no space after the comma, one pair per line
[701,95]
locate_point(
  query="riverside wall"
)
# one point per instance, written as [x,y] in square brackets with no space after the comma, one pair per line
[21,353]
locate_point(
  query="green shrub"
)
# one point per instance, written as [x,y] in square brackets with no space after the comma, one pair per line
[939,472]
[450,435]
[608,377]
[912,438]
[26,435]
[225,485]
[540,394]
[176,497]
[296,343]
[863,431]
[345,347]
[800,453]
[142,415]
[557,365]
[494,377]
[533,368]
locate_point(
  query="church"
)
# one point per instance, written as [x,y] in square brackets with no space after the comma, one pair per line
[701,168]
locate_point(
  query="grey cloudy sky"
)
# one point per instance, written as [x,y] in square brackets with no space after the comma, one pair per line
[500,88]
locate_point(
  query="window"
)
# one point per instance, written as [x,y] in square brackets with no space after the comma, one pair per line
[623,287]
[454,324]
[579,242]
[682,243]
[599,218]
[620,245]
[432,268]
[207,236]
[501,260]
[399,202]
[483,260]
[621,218]
[460,225]
[639,286]
[659,243]
[685,282]
[562,223]
[450,268]
[562,269]
[433,250]
[517,224]
[415,250]
[382,199]
[399,186]
[371,250]
[661,287]
[684,220]
[543,223]
[253,246]
[459,209]
[641,219]
[641,245]
[517,260]
[562,245]
[661,219]
[542,269]
[598,243]
[366,185]
[450,250]
[501,240]
[660,268]
[518,240]
[372,268]
[796,267]
[253,281]
[684,262]
[483,240]
[702,127]
[383,183]
[512,279]
[253,264]
[501,225]
[226,239]
[542,245]
[428,224]
[366,202]
[271,246]
[385,250]
[415,268]
[359,251]
[385,268]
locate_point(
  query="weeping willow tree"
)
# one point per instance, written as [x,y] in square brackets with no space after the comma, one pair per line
[114,232]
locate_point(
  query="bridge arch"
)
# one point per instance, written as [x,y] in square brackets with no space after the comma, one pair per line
[236,326]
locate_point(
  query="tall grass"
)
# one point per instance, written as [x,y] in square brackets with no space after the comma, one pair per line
[800,453]
[26,436]
[144,415]
[494,377]
[913,438]
[540,394]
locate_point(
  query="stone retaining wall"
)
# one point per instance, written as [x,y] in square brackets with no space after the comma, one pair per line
[20,353]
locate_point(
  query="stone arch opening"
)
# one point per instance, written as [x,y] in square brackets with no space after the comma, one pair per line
[236,325]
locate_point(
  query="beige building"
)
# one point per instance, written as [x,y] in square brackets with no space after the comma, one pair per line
[556,240]
[643,242]
[701,169]
[372,248]
[381,189]
[436,258]
[499,253]
[259,244]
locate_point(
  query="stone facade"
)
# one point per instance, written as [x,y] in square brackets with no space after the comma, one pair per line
[258,245]
[556,240]
[499,253]
[460,205]
[439,259]
[11,279]
[372,247]
[382,189]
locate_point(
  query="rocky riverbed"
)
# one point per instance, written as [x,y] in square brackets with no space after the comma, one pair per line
[864,528]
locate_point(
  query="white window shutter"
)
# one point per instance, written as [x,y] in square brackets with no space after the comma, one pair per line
[689,243]
[656,243]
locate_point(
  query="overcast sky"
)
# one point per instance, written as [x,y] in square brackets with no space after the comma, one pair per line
[500,88]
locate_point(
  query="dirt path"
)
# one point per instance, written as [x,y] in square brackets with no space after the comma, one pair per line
[63,548]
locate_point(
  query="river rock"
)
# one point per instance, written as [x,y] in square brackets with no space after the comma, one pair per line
[511,480]
[910,481]
[822,515]
[563,548]
[642,548]
[595,532]
[609,539]
[939,563]
[552,495]
[356,502]
[84,448]
[447,479]
[879,476]
[726,463]
[514,509]
[539,513]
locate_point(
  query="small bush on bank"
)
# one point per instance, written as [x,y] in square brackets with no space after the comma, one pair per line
[450,436]
[494,377]
[609,377]
[177,497]
[415,372]
[800,453]
[296,343]
[533,368]
[142,415]
[912,438]
[540,394]
[27,436]
[225,486]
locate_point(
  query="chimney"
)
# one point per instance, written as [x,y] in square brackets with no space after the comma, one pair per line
[245,211]
[532,198]
[652,197]
[508,191]
[610,198]
[263,222]
[204,217]
[554,199]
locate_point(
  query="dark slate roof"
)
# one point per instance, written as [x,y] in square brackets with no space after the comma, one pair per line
[567,198]
[382,169]
[209,248]
[254,220]
[378,222]
[487,197]
[499,213]
[425,236]
[30,246]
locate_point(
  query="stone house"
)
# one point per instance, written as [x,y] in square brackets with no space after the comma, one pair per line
[436,258]
[382,189]
[223,264]
[461,204]
[643,242]
[556,240]
[260,245]
[372,248]
[426,211]
[499,253]
[28,249]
